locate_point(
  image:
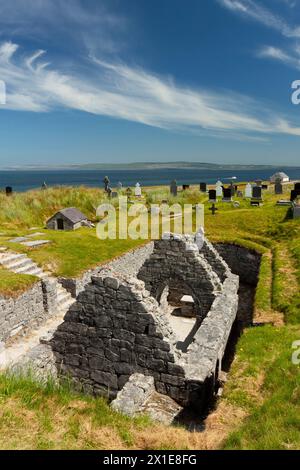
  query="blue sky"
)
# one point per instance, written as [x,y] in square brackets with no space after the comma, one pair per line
[141,80]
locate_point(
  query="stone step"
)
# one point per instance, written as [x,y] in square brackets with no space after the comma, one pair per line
[33,270]
[8,257]
[18,263]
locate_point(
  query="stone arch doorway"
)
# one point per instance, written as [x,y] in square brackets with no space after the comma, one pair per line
[179,303]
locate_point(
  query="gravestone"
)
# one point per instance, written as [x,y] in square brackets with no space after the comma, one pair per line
[138,190]
[213,209]
[109,191]
[203,187]
[212,195]
[44,186]
[128,192]
[239,193]
[258,182]
[294,194]
[173,188]
[8,190]
[227,194]
[265,187]
[120,186]
[256,193]
[278,187]
[297,187]
[219,188]
[232,189]
[248,191]
[185,186]
[114,194]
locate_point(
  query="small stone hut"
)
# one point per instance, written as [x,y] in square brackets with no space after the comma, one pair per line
[67,219]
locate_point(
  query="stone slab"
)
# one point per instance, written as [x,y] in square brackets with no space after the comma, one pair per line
[18,240]
[34,243]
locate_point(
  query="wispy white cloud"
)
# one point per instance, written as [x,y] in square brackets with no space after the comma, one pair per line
[288,58]
[124,92]
[63,22]
[257,12]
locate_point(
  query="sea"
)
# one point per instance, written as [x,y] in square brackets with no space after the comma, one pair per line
[24,180]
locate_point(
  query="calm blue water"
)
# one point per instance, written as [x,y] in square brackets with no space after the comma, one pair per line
[24,180]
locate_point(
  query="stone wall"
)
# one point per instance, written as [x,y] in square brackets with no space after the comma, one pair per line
[176,260]
[28,310]
[129,264]
[242,261]
[117,328]
[21,312]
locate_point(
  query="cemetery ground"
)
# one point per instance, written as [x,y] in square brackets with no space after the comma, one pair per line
[260,405]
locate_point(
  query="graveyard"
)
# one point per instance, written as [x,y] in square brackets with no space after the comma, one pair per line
[259,404]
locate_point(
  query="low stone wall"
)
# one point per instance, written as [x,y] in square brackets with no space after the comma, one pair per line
[128,264]
[21,312]
[241,261]
[28,310]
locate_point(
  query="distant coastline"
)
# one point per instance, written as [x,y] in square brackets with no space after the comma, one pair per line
[21,180]
[146,166]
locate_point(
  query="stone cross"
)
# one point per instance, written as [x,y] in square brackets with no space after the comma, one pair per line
[213,209]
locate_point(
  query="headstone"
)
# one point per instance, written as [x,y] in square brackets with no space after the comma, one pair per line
[8,190]
[296,211]
[185,186]
[265,187]
[297,187]
[212,195]
[219,188]
[128,192]
[294,194]
[278,187]
[239,193]
[213,209]
[256,193]
[232,189]
[173,188]
[227,194]
[203,187]
[138,190]
[44,185]
[114,194]
[258,182]
[109,191]
[248,191]
[120,186]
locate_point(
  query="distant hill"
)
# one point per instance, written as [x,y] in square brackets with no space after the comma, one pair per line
[146,166]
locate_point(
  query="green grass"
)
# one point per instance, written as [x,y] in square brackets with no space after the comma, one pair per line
[273,409]
[12,285]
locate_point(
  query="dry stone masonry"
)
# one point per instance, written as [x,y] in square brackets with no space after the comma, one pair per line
[121,324]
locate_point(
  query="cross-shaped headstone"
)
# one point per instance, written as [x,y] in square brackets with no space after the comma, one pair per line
[213,209]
